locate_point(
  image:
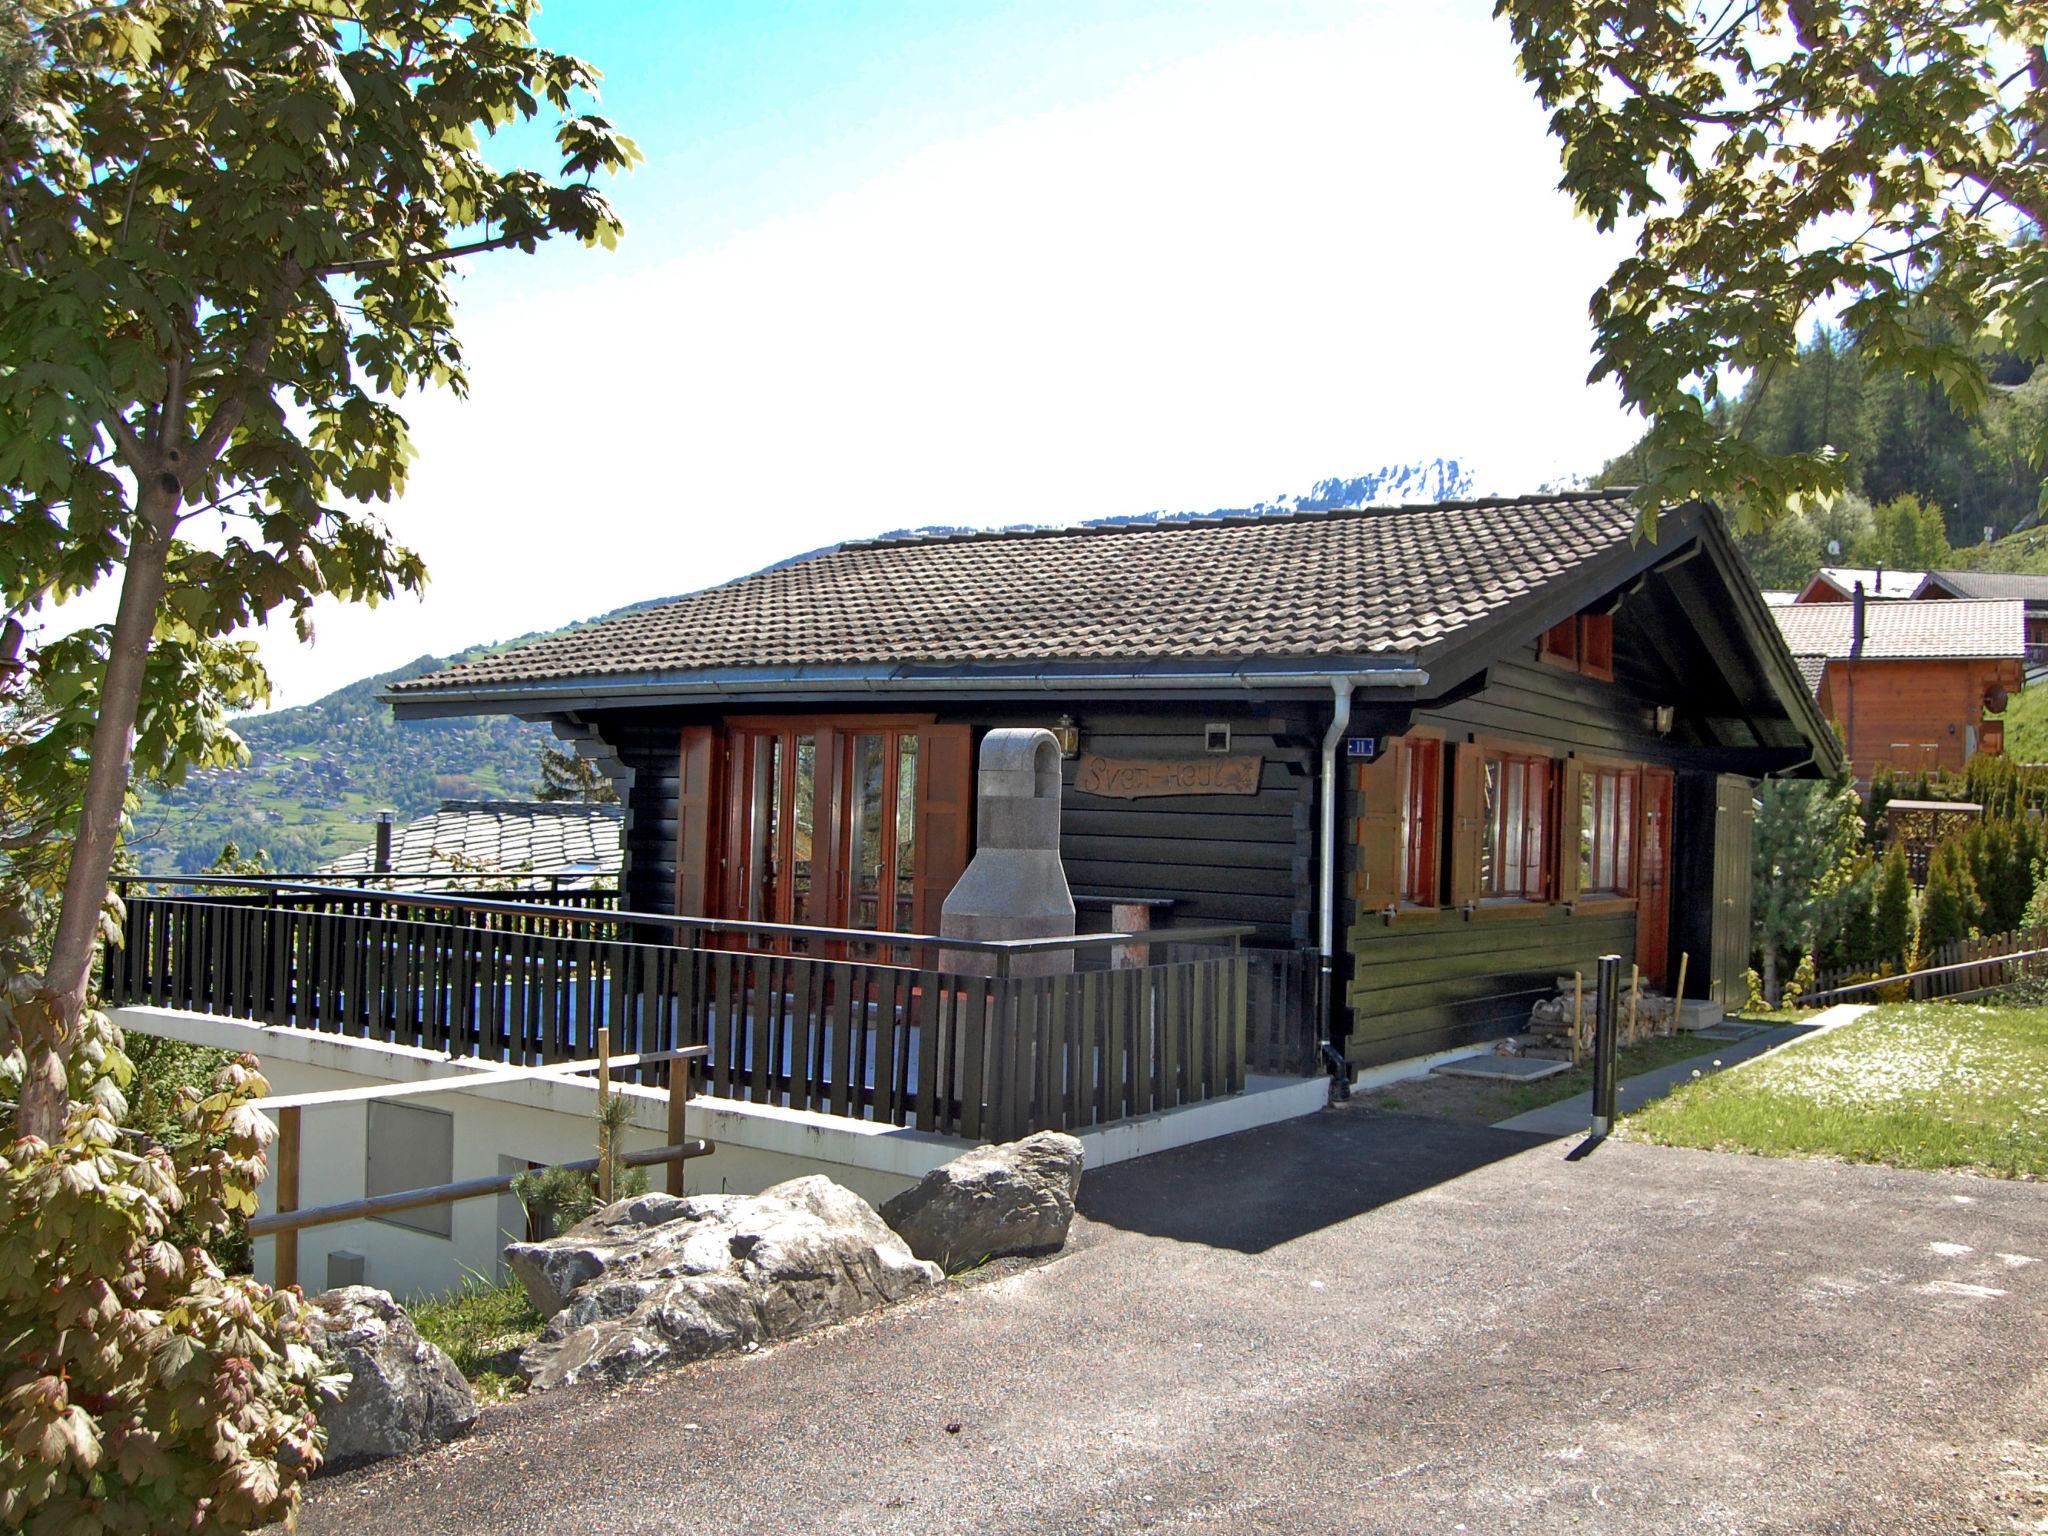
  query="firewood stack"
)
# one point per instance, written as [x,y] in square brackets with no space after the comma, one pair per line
[1551,1019]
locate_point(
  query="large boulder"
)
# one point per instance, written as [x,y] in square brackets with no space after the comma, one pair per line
[404,1394]
[1014,1198]
[674,1278]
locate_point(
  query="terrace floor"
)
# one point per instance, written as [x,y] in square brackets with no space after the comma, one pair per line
[1357,1321]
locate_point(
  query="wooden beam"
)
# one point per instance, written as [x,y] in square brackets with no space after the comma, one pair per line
[285,1271]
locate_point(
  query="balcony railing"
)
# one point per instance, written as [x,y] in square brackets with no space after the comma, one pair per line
[842,1021]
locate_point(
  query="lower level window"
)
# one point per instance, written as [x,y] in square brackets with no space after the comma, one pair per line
[1422,773]
[1515,831]
[1607,820]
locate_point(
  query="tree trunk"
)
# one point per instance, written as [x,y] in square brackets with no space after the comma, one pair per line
[45,1090]
[1771,974]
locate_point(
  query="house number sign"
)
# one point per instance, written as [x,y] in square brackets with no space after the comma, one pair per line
[1139,778]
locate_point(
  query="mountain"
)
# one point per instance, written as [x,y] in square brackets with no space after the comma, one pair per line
[319,773]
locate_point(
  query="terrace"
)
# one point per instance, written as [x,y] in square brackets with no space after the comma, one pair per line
[891,1029]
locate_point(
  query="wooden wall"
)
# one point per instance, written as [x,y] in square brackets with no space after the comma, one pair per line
[1431,981]
[1218,858]
[1914,715]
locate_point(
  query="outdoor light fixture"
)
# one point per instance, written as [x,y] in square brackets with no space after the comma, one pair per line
[1662,718]
[1068,735]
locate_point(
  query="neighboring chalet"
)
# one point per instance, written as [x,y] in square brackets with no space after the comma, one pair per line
[1445,751]
[2032,591]
[509,844]
[1911,683]
[1838,584]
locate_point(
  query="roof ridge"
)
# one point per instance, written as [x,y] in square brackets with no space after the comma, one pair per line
[1228,518]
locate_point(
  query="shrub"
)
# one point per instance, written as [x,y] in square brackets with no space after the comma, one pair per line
[143,1389]
[1950,908]
[1891,909]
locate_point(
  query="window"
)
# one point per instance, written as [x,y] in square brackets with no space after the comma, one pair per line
[1584,643]
[1607,822]
[1514,827]
[844,822]
[1417,851]
[410,1148]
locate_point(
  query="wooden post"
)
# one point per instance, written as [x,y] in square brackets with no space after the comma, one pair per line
[1578,1015]
[286,1268]
[1635,992]
[1678,997]
[604,1134]
[678,1102]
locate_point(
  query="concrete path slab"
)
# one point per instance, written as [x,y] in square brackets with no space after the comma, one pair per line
[1504,1069]
[1355,1322]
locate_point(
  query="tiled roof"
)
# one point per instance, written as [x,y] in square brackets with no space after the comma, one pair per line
[1876,582]
[1383,582]
[1812,669]
[511,837]
[1993,584]
[1953,630]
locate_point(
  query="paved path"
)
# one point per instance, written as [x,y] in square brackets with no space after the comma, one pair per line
[1572,1116]
[1356,1322]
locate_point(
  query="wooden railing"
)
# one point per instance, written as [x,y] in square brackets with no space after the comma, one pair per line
[895,1039]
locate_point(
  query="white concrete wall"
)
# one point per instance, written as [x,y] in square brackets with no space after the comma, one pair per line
[539,1121]
[546,1121]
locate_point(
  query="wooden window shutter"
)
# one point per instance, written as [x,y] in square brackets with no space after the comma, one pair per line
[1570,833]
[696,867]
[1379,829]
[945,817]
[1596,645]
[1560,643]
[1468,814]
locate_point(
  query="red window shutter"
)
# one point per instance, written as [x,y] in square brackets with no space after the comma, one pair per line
[1560,644]
[1379,828]
[1596,645]
[1572,830]
[696,866]
[1468,811]
[945,817]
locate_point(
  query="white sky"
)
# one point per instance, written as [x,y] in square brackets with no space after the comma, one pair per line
[1288,258]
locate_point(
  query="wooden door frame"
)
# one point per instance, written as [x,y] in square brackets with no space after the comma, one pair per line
[1660,974]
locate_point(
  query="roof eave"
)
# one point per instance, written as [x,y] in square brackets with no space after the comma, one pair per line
[1393,674]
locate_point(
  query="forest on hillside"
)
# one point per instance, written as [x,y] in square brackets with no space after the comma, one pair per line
[1926,484]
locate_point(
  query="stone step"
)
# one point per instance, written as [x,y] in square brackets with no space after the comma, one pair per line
[1700,1013]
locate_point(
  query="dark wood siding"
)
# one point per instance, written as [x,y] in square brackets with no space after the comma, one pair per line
[1434,981]
[1217,858]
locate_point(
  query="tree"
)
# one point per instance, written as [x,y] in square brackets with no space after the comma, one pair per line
[1810,868]
[1950,908]
[1891,909]
[1783,157]
[1906,534]
[565,776]
[227,237]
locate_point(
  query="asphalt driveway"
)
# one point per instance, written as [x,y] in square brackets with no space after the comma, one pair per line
[1357,1322]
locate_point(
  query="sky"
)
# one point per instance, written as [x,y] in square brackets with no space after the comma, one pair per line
[892,265]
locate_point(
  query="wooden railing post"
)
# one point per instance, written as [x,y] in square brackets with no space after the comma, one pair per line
[604,1129]
[286,1268]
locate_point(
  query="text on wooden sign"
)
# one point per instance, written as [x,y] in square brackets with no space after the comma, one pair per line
[1134,778]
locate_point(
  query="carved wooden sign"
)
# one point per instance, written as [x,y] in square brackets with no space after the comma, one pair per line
[1140,778]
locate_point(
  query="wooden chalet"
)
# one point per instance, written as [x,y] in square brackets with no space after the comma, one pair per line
[1911,684]
[1437,754]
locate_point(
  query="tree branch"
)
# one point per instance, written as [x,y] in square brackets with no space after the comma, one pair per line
[419,258]
[227,415]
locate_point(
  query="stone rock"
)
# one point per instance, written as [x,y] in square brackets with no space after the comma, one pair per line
[673,1278]
[404,1393]
[1014,1198]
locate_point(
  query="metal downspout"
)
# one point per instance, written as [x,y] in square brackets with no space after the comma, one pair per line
[1326,892]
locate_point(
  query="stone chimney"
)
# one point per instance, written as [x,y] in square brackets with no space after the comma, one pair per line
[1016,886]
[382,862]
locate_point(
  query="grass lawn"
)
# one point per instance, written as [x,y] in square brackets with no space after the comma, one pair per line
[1913,1085]
[483,1326]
